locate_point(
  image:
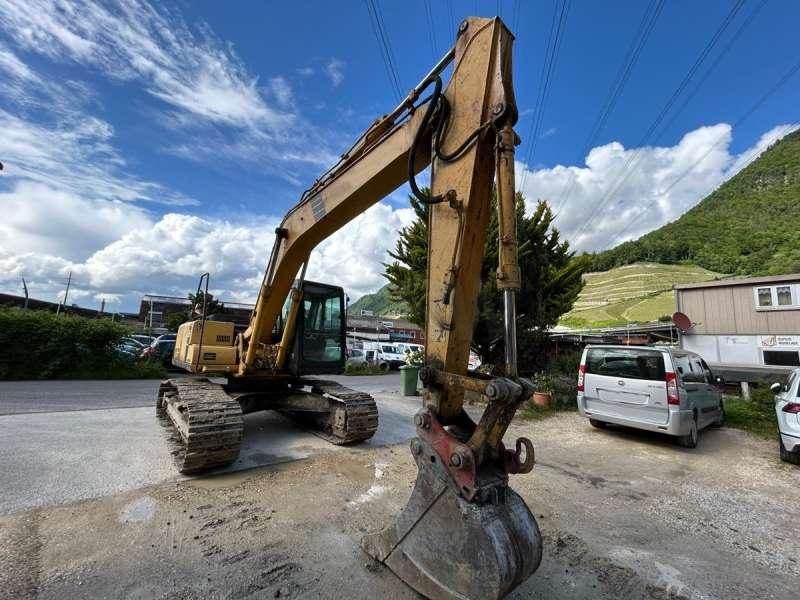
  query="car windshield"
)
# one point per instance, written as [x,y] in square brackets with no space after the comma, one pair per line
[626,362]
[390,349]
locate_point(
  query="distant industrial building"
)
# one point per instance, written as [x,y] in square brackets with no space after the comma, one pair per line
[384,329]
[752,321]
[154,310]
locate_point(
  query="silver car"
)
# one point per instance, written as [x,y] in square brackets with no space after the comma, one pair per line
[664,390]
[787,409]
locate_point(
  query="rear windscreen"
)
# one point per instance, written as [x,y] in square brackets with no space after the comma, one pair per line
[624,362]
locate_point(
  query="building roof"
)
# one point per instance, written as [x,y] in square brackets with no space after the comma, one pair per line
[732,281]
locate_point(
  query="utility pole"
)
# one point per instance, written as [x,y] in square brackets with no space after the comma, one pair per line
[66,293]
[25,289]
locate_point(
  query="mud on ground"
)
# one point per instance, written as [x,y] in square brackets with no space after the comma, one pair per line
[624,515]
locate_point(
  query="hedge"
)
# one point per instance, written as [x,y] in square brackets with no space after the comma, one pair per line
[36,344]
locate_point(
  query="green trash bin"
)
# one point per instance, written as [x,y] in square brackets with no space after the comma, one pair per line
[408,380]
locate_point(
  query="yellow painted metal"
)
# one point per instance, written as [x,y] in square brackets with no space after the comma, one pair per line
[508,275]
[479,89]
[288,328]
[216,334]
[362,182]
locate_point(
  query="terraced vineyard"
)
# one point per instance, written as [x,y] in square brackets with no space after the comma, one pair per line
[640,292]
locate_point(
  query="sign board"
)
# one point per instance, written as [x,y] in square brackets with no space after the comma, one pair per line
[791,342]
[387,324]
[366,313]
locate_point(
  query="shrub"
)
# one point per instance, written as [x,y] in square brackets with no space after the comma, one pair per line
[40,345]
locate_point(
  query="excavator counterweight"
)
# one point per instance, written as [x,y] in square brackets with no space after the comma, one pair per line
[464,533]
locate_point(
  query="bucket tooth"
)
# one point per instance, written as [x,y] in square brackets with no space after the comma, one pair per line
[446,547]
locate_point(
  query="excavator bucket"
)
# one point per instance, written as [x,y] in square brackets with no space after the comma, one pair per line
[444,546]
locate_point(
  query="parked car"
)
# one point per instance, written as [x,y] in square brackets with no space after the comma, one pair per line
[160,350]
[166,337]
[134,342]
[787,409]
[384,353]
[358,356]
[128,349]
[142,338]
[664,390]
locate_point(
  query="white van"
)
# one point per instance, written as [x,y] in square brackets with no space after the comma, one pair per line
[385,352]
[665,390]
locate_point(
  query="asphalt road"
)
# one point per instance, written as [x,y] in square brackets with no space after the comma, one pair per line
[62,441]
[18,397]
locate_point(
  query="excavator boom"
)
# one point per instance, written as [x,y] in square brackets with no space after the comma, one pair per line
[464,532]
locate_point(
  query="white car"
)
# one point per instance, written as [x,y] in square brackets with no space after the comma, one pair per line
[787,409]
[666,390]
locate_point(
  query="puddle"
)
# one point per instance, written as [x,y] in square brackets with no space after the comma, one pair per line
[140,510]
[375,489]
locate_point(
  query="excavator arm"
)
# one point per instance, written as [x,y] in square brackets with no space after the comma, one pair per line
[464,532]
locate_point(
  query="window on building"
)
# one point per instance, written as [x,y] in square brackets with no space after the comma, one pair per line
[784,294]
[777,297]
[782,358]
[765,296]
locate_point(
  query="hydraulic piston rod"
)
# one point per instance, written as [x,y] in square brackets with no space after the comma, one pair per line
[508,275]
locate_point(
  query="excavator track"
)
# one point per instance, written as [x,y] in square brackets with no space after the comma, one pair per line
[353,415]
[205,424]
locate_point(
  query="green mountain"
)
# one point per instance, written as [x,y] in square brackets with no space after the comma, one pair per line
[750,225]
[641,292]
[380,303]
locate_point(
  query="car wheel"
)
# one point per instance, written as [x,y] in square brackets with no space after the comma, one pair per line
[690,439]
[786,456]
[598,424]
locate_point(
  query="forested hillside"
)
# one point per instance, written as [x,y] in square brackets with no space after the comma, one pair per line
[749,226]
[380,303]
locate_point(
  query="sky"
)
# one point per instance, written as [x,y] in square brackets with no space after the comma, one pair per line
[144,144]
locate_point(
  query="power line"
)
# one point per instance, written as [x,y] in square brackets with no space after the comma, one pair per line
[515,17]
[385,35]
[552,50]
[384,47]
[643,31]
[635,157]
[755,153]
[745,24]
[431,29]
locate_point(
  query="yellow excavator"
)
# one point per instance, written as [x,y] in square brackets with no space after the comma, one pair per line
[464,532]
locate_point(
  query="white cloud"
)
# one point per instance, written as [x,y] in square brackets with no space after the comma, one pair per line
[42,220]
[282,91]
[167,256]
[335,71]
[133,40]
[623,193]
[76,157]
[208,93]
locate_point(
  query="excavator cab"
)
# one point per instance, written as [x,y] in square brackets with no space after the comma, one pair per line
[319,337]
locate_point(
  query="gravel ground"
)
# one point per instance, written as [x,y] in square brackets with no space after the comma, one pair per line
[624,514]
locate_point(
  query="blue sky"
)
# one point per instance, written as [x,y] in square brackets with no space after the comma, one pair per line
[145,144]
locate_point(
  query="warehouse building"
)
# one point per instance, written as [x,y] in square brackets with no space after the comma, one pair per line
[753,321]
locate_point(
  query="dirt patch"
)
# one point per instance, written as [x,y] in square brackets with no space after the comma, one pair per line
[624,515]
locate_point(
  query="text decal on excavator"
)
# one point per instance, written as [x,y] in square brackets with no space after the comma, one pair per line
[318,207]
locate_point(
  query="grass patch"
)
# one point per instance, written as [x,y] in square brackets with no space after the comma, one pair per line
[752,416]
[364,369]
